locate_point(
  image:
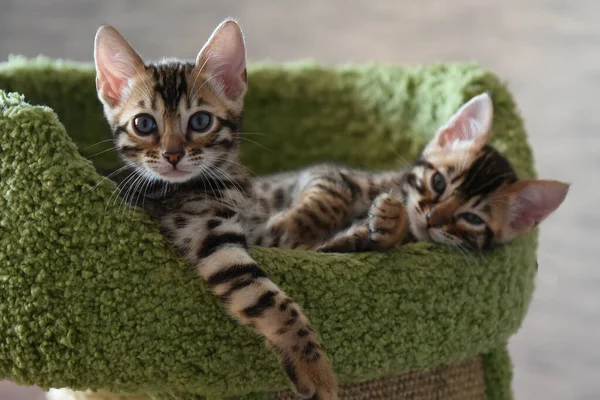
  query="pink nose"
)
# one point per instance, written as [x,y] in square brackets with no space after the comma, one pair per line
[433,221]
[173,157]
[428,219]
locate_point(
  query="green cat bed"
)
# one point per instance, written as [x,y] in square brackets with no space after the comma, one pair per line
[92,296]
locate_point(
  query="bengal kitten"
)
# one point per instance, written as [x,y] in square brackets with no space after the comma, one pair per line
[459,192]
[175,124]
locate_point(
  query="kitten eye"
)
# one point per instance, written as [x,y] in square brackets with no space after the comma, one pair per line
[471,218]
[144,124]
[438,183]
[200,122]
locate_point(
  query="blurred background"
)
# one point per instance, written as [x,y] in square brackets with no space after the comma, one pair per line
[547,50]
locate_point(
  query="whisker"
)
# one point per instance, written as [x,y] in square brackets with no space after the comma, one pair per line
[172,395]
[254,133]
[107,177]
[102,152]
[256,143]
[465,160]
[126,185]
[137,193]
[96,144]
[109,199]
[464,254]
[199,73]
[220,158]
[478,254]
[118,189]
[141,186]
[125,196]
[401,158]
[498,196]
[164,193]
[142,93]
[218,180]
[456,246]
[205,82]
[219,174]
[468,250]
[132,190]
[229,177]
[207,171]
[148,94]
[150,180]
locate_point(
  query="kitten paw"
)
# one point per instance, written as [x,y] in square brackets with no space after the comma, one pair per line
[280,222]
[315,380]
[345,245]
[283,228]
[290,231]
[388,221]
[355,239]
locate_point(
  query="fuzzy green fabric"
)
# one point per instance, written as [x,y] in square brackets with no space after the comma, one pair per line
[498,374]
[92,296]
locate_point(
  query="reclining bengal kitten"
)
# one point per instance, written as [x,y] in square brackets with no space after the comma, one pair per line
[175,124]
[459,192]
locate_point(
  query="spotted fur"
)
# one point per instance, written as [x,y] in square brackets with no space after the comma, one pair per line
[175,125]
[459,192]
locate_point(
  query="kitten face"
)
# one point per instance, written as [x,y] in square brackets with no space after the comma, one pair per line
[463,192]
[456,204]
[174,120]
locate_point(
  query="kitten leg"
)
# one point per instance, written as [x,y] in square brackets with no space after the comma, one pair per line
[385,227]
[222,259]
[352,240]
[319,209]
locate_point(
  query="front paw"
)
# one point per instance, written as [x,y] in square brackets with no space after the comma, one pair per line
[339,245]
[289,232]
[314,379]
[280,223]
[388,221]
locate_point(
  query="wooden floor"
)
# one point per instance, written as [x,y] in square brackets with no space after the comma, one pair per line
[548,50]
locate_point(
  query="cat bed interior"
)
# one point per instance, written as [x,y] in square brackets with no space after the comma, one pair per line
[92,296]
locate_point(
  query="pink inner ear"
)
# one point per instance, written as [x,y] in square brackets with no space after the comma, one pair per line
[529,216]
[535,202]
[116,62]
[111,86]
[451,134]
[471,124]
[228,65]
[224,57]
[234,80]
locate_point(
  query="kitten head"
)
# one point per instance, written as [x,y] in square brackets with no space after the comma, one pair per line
[463,192]
[174,120]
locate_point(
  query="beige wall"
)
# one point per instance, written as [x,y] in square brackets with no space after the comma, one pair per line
[548,50]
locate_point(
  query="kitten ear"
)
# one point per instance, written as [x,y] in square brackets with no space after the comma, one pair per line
[116,62]
[534,201]
[471,125]
[224,57]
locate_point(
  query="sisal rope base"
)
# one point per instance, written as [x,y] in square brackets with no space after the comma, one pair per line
[461,381]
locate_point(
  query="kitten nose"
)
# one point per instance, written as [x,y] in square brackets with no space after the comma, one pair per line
[173,156]
[432,222]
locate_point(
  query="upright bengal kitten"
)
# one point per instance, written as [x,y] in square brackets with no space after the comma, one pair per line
[175,124]
[459,192]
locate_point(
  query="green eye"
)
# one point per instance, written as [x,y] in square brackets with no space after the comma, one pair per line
[144,124]
[200,122]
[471,218]
[438,183]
